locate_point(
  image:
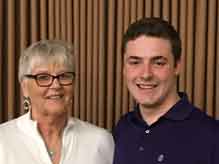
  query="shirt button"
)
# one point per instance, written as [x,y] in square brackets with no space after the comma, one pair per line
[147,131]
[141,148]
[160,158]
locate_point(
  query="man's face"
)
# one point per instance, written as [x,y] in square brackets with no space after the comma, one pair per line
[150,71]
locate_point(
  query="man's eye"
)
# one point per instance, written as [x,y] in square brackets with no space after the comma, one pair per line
[133,62]
[159,63]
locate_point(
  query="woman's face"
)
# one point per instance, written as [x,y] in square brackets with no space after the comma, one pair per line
[55,99]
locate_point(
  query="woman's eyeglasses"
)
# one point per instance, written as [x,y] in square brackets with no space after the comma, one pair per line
[46,80]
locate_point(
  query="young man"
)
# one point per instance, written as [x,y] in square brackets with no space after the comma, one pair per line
[164,126]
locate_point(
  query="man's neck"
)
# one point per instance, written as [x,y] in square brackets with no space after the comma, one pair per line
[150,114]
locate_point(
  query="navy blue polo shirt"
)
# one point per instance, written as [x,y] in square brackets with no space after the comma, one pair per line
[184,135]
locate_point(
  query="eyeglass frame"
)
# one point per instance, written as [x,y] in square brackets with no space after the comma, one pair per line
[51,76]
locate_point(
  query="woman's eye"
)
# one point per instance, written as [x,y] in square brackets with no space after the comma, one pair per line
[43,77]
[66,76]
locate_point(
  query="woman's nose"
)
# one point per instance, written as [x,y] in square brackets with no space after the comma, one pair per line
[55,83]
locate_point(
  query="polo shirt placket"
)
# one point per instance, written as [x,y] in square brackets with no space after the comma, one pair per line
[183,135]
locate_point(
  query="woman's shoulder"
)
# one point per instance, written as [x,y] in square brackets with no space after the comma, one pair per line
[92,140]
[8,130]
[85,126]
[8,125]
[86,129]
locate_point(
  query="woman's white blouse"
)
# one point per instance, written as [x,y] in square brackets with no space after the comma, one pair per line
[83,143]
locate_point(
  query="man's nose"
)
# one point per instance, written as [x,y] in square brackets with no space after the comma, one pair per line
[147,71]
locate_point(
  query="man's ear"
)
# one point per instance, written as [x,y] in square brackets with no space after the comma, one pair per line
[178,66]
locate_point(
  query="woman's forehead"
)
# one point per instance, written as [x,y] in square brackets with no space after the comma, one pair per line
[45,64]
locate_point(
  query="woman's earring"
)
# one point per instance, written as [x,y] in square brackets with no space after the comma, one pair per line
[27,104]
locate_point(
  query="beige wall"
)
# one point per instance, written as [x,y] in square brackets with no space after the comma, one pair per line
[96,27]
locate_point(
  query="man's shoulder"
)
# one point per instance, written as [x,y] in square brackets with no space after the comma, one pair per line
[123,123]
[125,118]
[203,117]
[201,122]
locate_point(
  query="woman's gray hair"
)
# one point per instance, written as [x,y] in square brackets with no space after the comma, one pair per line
[46,51]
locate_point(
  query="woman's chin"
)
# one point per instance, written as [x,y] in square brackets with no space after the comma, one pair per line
[56,110]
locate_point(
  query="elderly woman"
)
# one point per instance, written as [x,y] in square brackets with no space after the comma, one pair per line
[46,134]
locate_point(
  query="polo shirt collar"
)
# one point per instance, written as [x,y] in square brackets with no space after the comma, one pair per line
[180,111]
